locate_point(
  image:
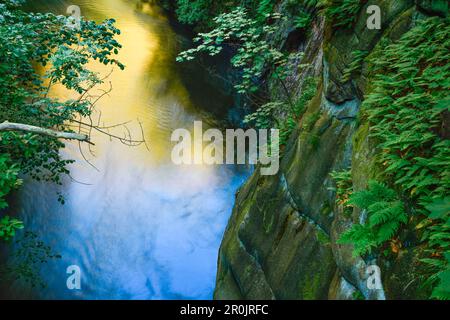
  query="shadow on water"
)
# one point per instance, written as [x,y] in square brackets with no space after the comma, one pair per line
[139,227]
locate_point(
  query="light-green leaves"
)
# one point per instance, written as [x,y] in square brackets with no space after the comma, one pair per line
[8,227]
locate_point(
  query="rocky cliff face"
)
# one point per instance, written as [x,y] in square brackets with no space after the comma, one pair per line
[281,241]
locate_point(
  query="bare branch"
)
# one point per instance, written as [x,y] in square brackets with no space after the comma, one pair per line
[83,127]
[127,139]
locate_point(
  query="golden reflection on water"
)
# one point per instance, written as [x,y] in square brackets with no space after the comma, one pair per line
[140,227]
[149,90]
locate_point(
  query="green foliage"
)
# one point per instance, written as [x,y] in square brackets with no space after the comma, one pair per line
[441,278]
[344,189]
[8,178]
[407,110]
[245,30]
[265,9]
[200,13]
[8,181]
[305,4]
[302,20]
[192,12]
[356,64]
[267,116]
[342,13]
[286,129]
[29,253]
[8,227]
[264,117]
[30,42]
[38,51]
[309,90]
[35,155]
[357,295]
[303,12]
[254,53]
[385,215]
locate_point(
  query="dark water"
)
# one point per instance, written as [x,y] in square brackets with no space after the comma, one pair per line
[138,227]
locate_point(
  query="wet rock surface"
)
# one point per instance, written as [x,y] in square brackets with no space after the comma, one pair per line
[281,241]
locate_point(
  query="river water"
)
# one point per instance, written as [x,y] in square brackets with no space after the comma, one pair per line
[138,226]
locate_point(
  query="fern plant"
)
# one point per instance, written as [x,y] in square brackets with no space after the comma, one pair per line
[355,65]
[286,130]
[342,13]
[385,215]
[344,189]
[265,9]
[407,111]
[303,20]
[441,278]
[309,90]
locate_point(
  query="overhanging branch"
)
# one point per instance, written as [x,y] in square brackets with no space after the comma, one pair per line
[9,126]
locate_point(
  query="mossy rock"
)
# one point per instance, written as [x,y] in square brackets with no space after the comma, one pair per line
[263,254]
[338,51]
[281,241]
